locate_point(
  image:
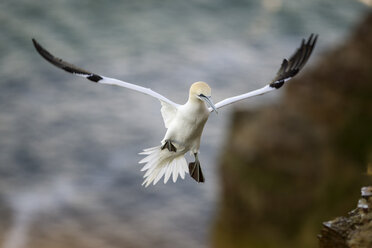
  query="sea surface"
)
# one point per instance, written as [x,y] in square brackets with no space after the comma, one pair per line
[69,148]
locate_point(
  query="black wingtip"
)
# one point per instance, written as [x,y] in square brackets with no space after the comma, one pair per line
[65,65]
[297,61]
[34,42]
[37,46]
[46,55]
[315,39]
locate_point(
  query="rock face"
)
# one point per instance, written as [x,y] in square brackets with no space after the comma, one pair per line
[354,231]
[293,165]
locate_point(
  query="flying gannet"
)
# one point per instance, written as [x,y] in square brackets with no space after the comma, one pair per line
[185,123]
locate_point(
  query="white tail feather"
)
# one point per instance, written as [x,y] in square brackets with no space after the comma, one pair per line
[159,163]
[148,150]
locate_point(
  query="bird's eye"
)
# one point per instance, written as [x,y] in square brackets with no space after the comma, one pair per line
[201,95]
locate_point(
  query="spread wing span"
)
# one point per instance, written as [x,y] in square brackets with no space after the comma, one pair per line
[97,78]
[287,70]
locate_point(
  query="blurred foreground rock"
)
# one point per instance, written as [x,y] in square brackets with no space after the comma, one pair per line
[290,166]
[353,231]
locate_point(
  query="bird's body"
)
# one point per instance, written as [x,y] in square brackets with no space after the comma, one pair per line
[185,123]
[184,129]
[188,123]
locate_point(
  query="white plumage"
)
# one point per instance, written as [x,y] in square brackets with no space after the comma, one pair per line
[159,163]
[185,123]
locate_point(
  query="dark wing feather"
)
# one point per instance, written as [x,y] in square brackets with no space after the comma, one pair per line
[101,79]
[291,67]
[65,65]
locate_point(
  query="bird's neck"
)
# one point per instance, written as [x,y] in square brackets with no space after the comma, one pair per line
[196,104]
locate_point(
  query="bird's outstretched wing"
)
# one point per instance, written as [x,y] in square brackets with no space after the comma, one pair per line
[98,78]
[288,70]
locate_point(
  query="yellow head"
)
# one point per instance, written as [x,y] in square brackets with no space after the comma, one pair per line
[200,88]
[200,91]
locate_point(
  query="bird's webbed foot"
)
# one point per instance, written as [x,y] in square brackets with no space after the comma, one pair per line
[168,144]
[195,170]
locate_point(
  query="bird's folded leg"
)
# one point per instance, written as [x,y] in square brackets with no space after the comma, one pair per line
[168,144]
[195,170]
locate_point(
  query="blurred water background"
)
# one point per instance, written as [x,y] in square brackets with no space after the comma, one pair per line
[68,148]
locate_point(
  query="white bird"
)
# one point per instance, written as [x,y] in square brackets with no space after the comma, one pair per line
[185,123]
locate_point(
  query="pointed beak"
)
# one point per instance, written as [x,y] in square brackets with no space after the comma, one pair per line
[208,100]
